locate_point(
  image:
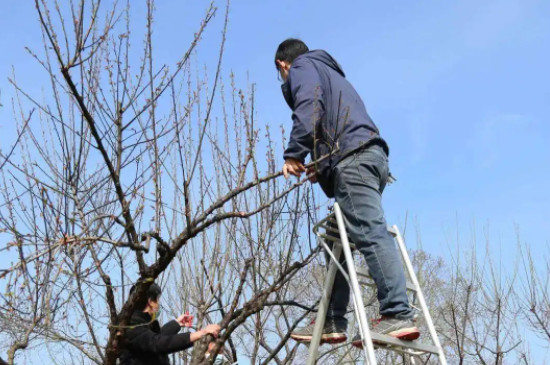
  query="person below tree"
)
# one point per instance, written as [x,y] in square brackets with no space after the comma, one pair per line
[146,343]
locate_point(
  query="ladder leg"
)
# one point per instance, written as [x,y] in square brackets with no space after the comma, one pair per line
[420,296]
[323,306]
[368,347]
[410,349]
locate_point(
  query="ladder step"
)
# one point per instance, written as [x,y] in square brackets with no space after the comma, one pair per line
[330,238]
[388,342]
[391,231]
[332,229]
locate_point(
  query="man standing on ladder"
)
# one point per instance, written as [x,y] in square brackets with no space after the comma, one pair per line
[330,119]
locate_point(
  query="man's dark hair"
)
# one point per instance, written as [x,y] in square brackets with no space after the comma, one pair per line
[153,293]
[289,49]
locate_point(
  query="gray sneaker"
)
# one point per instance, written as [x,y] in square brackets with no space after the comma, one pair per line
[403,329]
[333,332]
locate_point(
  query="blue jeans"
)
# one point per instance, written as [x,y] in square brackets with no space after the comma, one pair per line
[359,181]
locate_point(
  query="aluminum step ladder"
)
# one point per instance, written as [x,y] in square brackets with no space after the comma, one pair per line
[332,228]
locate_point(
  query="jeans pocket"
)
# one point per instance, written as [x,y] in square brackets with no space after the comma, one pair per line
[374,154]
[343,164]
[373,169]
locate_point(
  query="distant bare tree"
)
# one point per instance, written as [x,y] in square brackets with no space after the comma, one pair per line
[534,293]
[480,315]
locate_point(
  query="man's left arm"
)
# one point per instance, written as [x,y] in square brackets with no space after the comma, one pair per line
[305,87]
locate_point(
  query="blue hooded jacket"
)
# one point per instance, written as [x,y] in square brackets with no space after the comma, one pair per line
[329,117]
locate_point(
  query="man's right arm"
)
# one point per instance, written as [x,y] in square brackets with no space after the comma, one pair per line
[144,339]
[211,329]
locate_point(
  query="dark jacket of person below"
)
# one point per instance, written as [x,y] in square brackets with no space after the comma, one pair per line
[149,344]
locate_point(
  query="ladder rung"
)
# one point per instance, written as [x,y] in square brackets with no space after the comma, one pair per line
[328,237]
[332,229]
[384,341]
[392,231]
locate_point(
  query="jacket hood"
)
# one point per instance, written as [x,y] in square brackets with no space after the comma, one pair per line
[318,56]
[322,56]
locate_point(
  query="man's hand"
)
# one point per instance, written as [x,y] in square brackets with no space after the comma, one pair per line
[311,174]
[185,320]
[293,167]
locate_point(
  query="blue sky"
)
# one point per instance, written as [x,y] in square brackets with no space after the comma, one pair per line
[460,90]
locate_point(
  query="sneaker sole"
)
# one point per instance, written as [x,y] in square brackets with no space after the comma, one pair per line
[405,334]
[325,338]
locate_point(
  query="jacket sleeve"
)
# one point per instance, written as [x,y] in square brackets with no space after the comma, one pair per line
[307,94]
[170,328]
[143,339]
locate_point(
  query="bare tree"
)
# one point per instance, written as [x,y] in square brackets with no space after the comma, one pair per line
[125,169]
